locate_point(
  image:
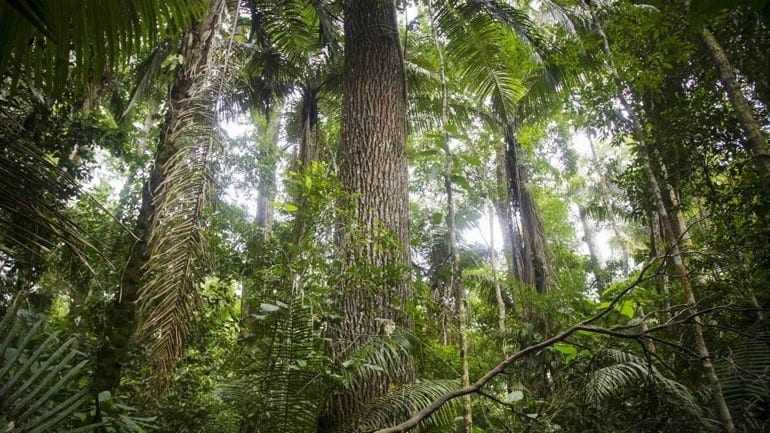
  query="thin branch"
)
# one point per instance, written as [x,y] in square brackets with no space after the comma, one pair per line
[500,368]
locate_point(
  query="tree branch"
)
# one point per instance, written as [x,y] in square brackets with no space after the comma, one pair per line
[476,387]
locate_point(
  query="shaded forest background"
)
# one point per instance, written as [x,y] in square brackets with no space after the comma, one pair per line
[277,216]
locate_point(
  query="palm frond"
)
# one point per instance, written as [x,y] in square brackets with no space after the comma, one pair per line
[40,171]
[40,386]
[483,50]
[284,387]
[381,356]
[628,371]
[403,401]
[177,249]
[745,375]
[52,41]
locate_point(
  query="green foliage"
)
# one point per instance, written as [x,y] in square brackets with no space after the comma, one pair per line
[41,38]
[41,388]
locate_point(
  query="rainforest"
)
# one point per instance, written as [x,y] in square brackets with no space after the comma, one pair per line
[385,216]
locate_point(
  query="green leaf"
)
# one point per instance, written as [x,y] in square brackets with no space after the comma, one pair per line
[289,207]
[569,351]
[627,308]
[461,181]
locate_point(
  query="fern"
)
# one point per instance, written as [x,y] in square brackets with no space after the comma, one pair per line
[283,389]
[384,356]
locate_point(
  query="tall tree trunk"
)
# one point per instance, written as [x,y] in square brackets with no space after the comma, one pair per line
[757,141]
[534,270]
[499,298]
[515,195]
[373,171]
[671,228]
[589,237]
[120,317]
[604,185]
[533,227]
[455,275]
[502,201]
[674,237]
[309,150]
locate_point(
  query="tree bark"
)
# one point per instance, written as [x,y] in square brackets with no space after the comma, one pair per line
[309,150]
[373,172]
[756,139]
[680,268]
[533,227]
[120,317]
[534,270]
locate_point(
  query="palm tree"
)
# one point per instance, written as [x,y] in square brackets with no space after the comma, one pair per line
[161,271]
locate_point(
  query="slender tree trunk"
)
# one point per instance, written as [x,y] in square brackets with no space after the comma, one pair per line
[604,185]
[309,150]
[757,141]
[680,268]
[455,275]
[589,236]
[534,260]
[514,185]
[511,238]
[268,146]
[120,320]
[679,264]
[533,226]
[373,171]
[493,264]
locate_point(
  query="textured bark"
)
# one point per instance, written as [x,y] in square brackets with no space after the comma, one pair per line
[120,317]
[680,268]
[532,225]
[514,183]
[441,295]
[373,171]
[534,270]
[309,149]
[757,141]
